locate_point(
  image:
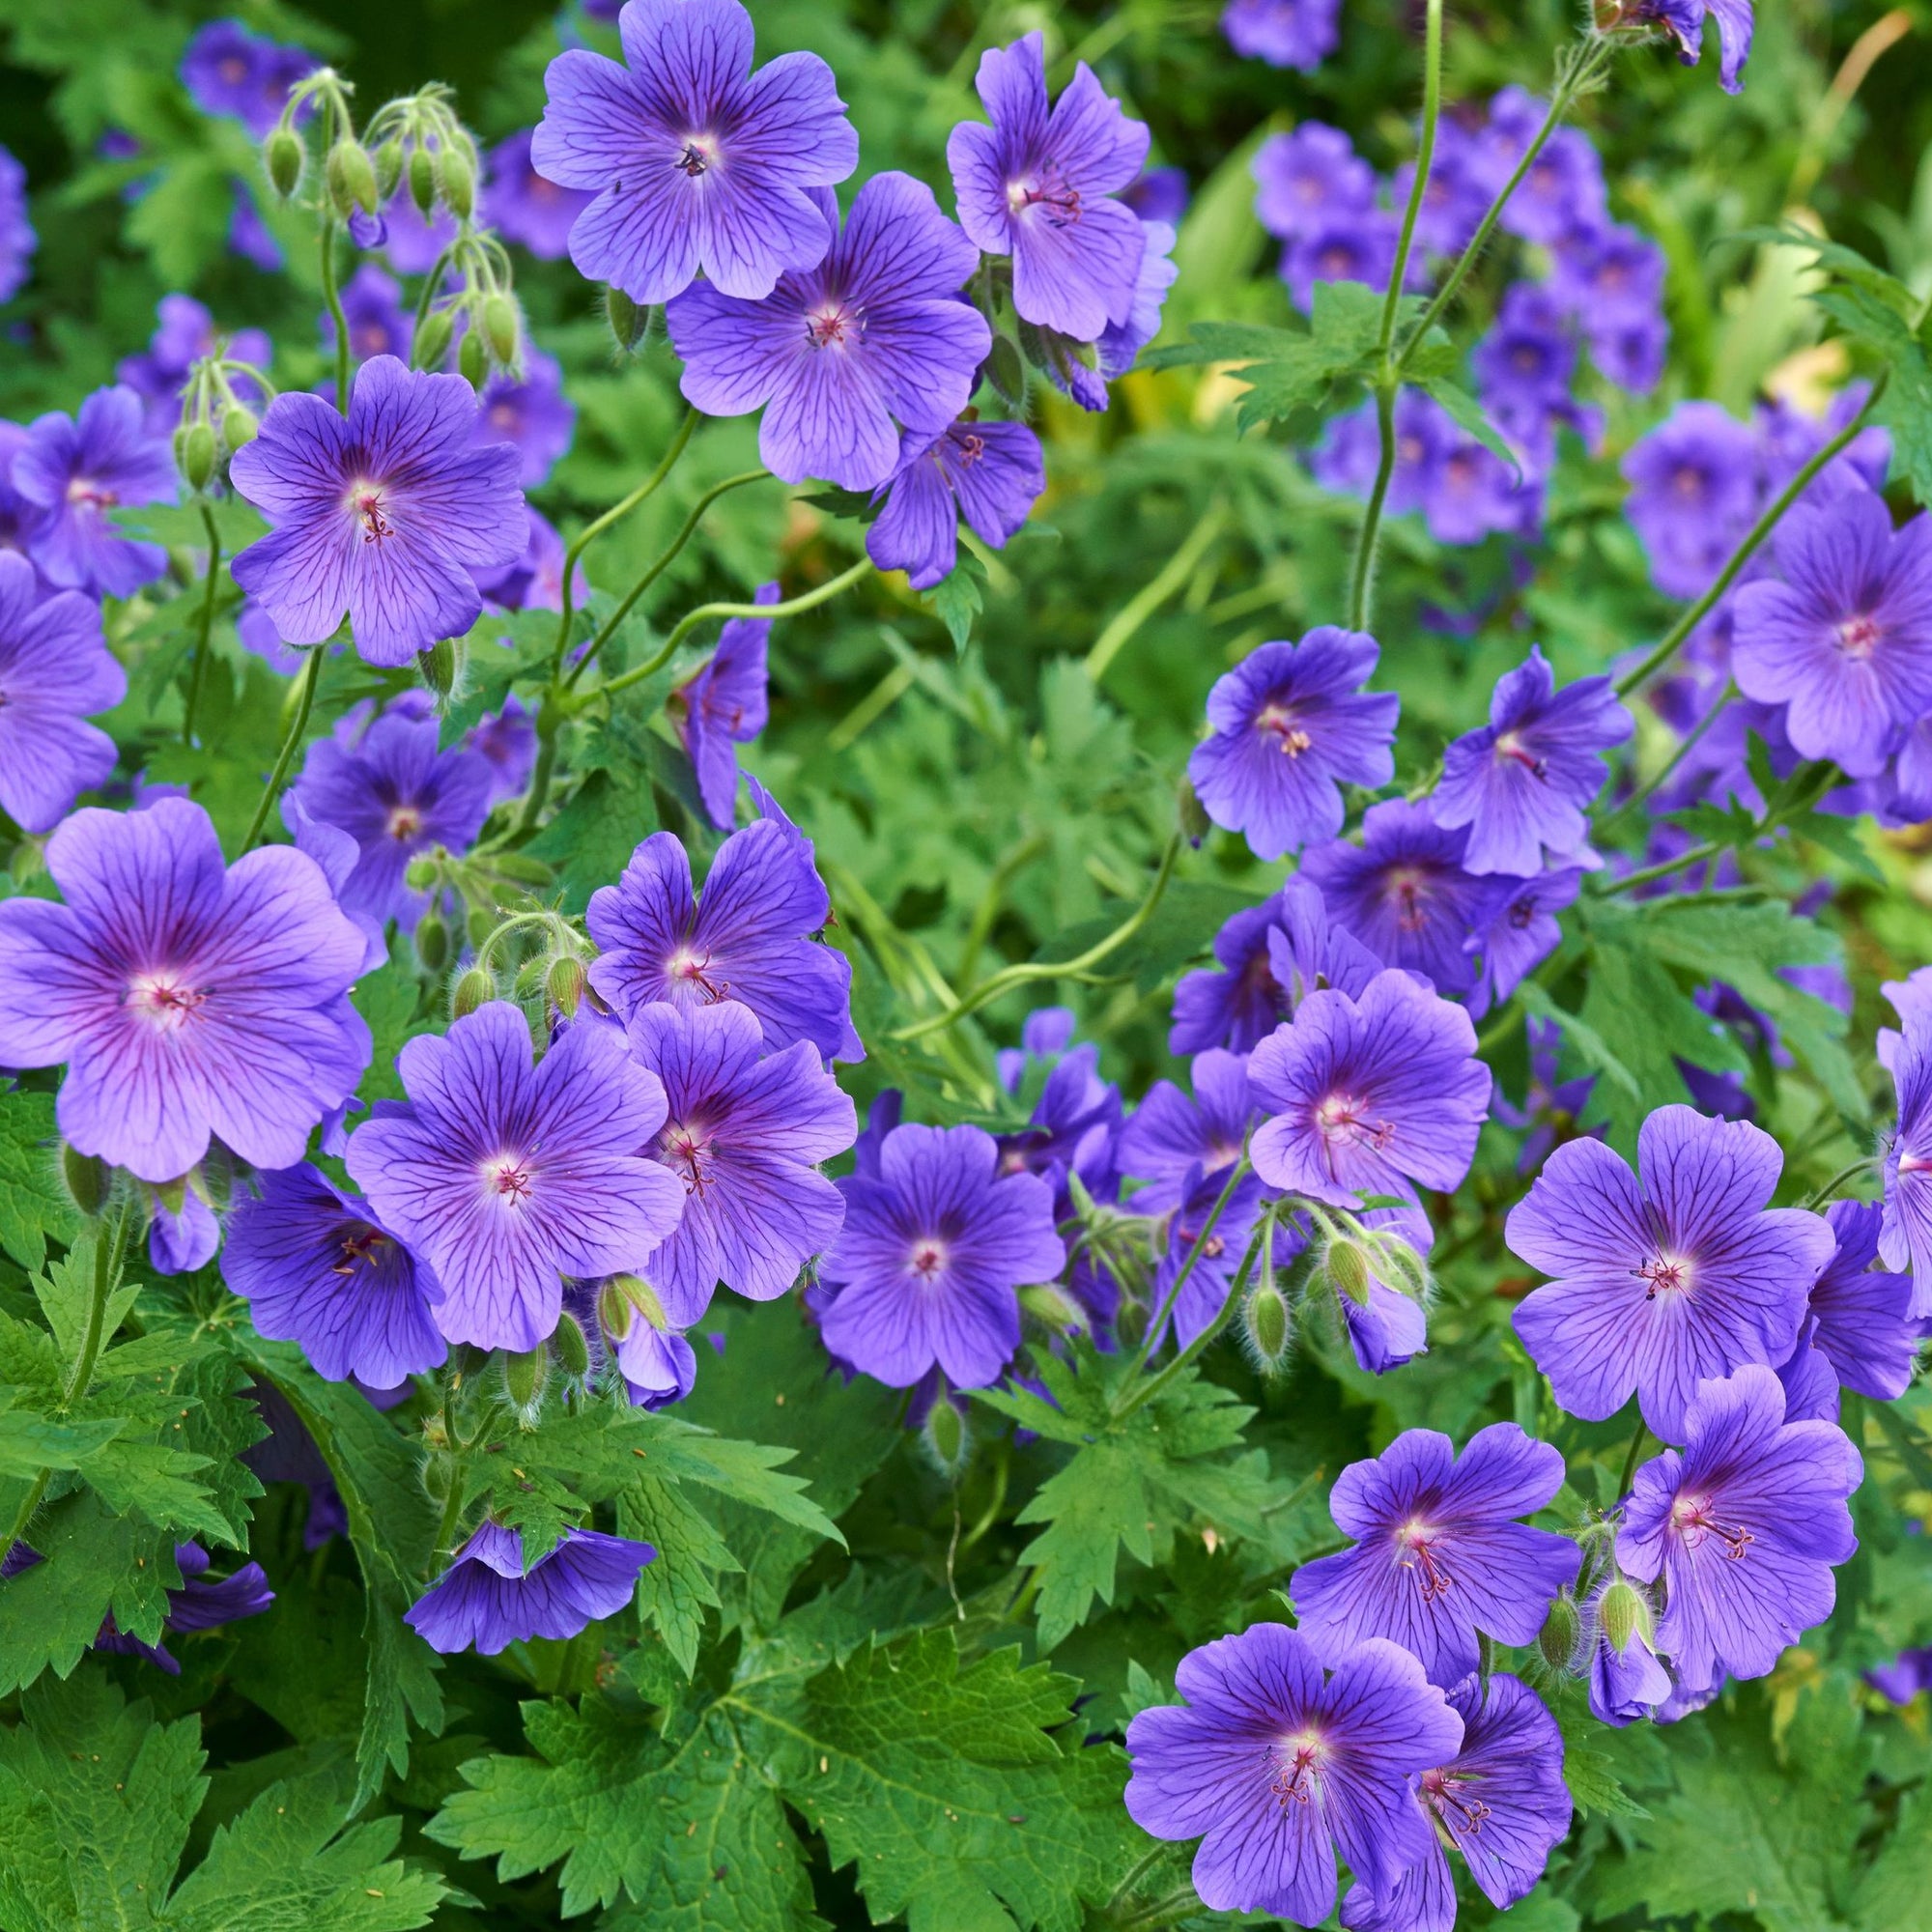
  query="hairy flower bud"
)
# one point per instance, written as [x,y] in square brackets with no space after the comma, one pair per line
[944,1433]
[433,942]
[195,452]
[284,156]
[629,320]
[1266,1318]
[442,666]
[616,1311]
[500,327]
[564,982]
[459,182]
[642,1298]
[573,1350]
[1195,824]
[389,166]
[432,342]
[1005,369]
[525,1375]
[473,361]
[351,177]
[1623,1614]
[88,1178]
[1048,1303]
[1349,1269]
[422,182]
[471,991]
[239,427]
[1558,1639]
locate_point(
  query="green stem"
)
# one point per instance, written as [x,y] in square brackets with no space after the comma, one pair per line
[452,1508]
[311,675]
[658,569]
[1664,869]
[332,299]
[199,667]
[690,621]
[1027,971]
[1158,1317]
[1673,638]
[1425,156]
[1638,1441]
[1370,540]
[594,529]
[1145,1392]
[1168,1910]
[1689,743]
[1830,1190]
[1152,595]
[106,1278]
[1140,1872]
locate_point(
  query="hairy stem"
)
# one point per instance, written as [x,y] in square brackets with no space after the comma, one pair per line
[197,670]
[1158,1317]
[331,297]
[1830,1190]
[1362,586]
[310,677]
[1143,1393]
[1425,156]
[1638,1441]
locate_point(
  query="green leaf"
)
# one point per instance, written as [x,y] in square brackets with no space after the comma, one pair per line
[34,1204]
[1468,414]
[1893,1895]
[676,1588]
[1906,407]
[957,599]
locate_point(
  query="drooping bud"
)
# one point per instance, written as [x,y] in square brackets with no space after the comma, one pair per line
[1049,1303]
[197,455]
[500,327]
[1266,1317]
[1623,1614]
[525,1375]
[422,182]
[440,665]
[1558,1639]
[351,177]
[389,166]
[616,1311]
[573,1351]
[945,1435]
[644,1297]
[459,181]
[438,1474]
[473,361]
[1349,1269]
[1401,1267]
[564,982]
[419,875]
[1195,824]
[433,942]
[628,320]
[88,1178]
[239,427]
[480,924]
[284,155]
[472,991]
[432,342]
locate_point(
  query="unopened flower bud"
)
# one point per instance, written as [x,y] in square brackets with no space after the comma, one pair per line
[1047,1302]
[480,924]
[1558,1639]
[573,1351]
[196,453]
[419,875]
[438,1474]
[432,342]
[642,1297]
[422,182]
[628,320]
[616,1311]
[1195,824]
[945,1435]
[471,991]
[1349,1269]
[563,983]
[500,327]
[284,156]
[1266,1316]
[239,427]
[88,1178]
[1623,1614]
[459,182]
[473,361]
[433,942]
[525,1375]
[441,666]
[351,177]
[388,167]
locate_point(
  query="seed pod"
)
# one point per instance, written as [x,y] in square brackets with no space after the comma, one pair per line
[945,1434]
[459,181]
[473,361]
[1558,1639]
[573,1351]
[525,1375]
[500,327]
[1267,1325]
[1623,1614]
[351,177]
[388,167]
[197,455]
[563,983]
[628,320]
[239,427]
[284,155]
[88,1178]
[432,342]
[1349,1269]
[471,990]
[422,182]
[433,942]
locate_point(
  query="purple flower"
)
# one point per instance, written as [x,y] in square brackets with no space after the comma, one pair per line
[1500,1801]
[1291,726]
[1631,353]
[487,1600]
[933,1253]
[1564,188]
[379,325]
[1904,1678]
[1119,343]
[1160,194]
[742,1137]
[1211,1277]
[1310,180]
[1366,1096]
[412,242]
[749,937]
[1859,1333]
[1609,274]
[1684,20]
[383,512]
[1627,1682]
[534,579]
[181,1238]
[249,236]
[75,471]
[1551,1108]
[316,1268]
[1281,1764]
[503,1176]
[186,333]
[201,1602]
[658,1365]
[1666,1276]
[507,741]
[1039,185]
[186,1000]
[1404,892]
[397,795]
[1742,1528]
[1522,783]
[696,163]
[1439,1555]
[534,414]
[726,705]
[231,71]
[55,668]
[1357,247]
[1463,180]
[18,517]
[1905,1240]
[1284,32]
[873,332]
[1845,642]
[1694,493]
[1391,1327]
[1526,363]
[1169,1135]
[1519,933]
[18,240]
[991,472]
[527,207]
[1270,957]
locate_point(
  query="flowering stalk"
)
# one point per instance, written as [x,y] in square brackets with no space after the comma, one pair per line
[199,666]
[305,684]
[1158,1317]
[1143,1393]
